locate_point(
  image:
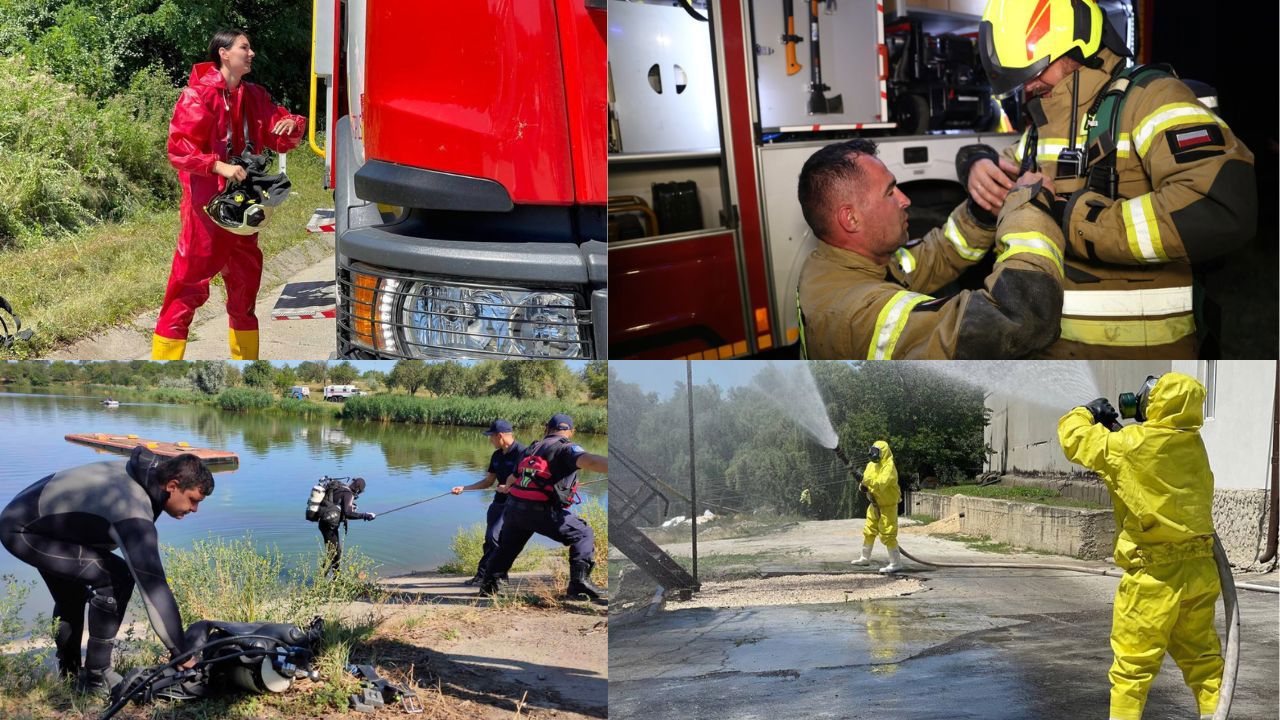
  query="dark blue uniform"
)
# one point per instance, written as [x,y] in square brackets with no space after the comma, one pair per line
[524,517]
[502,465]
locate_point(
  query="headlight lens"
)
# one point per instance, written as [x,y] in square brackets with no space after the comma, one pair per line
[498,321]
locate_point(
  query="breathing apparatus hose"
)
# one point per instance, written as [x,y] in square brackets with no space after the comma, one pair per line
[178,660]
[1230,605]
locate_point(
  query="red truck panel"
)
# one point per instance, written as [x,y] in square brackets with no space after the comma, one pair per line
[478,88]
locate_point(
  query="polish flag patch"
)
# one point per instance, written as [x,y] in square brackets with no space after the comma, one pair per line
[1192,138]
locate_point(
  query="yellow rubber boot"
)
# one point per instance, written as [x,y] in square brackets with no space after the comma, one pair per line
[244,344]
[163,348]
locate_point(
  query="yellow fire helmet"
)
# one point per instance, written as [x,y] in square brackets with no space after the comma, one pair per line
[1017,39]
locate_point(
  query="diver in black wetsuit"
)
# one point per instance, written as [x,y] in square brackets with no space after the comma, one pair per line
[66,526]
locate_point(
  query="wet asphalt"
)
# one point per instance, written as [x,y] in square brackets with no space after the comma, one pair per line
[993,644]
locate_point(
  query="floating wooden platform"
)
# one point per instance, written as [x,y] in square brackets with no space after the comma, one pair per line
[126,443]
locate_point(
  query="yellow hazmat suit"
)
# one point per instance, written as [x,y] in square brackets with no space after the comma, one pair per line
[1162,492]
[881,478]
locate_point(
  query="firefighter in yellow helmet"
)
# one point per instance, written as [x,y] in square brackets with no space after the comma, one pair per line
[1149,180]
[880,483]
[1161,489]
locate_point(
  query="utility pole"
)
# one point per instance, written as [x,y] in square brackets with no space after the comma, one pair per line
[693,480]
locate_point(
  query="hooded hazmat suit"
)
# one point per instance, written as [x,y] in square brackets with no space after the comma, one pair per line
[207,117]
[1162,491]
[881,478]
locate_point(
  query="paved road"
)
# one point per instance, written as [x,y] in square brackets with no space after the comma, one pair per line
[990,644]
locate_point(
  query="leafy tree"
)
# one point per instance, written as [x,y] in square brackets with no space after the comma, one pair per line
[447,378]
[344,373]
[596,375]
[285,378]
[313,371]
[232,375]
[208,376]
[375,379]
[258,374]
[408,374]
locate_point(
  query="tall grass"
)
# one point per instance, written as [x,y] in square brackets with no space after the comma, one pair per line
[473,411]
[242,399]
[468,548]
[69,161]
[236,581]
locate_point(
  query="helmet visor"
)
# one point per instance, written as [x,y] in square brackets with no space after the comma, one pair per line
[1003,78]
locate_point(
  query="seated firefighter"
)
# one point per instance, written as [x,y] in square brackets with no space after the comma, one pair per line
[864,290]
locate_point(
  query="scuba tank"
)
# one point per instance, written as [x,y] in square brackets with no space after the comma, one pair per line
[313,502]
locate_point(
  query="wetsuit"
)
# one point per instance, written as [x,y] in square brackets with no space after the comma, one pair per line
[344,499]
[67,525]
[501,465]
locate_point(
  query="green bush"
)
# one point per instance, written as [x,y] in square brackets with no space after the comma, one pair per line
[306,408]
[241,399]
[68,162]
[19,671]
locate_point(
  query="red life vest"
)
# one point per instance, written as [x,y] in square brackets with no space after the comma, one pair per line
[535,481]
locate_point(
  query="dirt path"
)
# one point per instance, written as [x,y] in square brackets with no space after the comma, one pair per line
[551,662]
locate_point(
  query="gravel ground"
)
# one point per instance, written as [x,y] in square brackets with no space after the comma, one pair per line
[808,589]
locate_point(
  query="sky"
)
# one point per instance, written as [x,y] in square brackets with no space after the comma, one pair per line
[660,376]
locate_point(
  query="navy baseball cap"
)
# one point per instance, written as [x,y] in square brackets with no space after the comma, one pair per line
[498,426]
[560,422]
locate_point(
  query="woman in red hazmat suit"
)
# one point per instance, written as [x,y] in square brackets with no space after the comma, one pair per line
[217,115]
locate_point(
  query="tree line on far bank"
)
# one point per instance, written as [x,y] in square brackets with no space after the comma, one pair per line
[520,379]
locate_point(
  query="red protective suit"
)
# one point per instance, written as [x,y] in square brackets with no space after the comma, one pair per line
[205,113]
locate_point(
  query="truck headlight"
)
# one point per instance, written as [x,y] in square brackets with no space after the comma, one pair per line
[493,321]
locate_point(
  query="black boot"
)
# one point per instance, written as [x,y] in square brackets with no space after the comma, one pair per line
[479,578]
[96,682]
[580,582]
[493,584]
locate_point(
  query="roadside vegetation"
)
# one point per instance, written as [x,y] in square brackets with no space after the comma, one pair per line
[1042,496]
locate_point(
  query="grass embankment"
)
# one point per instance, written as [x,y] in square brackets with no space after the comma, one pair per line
[89,205]
[980,543]
[215,580]
[1042,496]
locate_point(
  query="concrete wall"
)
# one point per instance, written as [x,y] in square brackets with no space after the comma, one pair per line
[1238,514]
[1086,534]
[1239,517]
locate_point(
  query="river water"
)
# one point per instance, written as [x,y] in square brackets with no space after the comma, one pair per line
[281,457]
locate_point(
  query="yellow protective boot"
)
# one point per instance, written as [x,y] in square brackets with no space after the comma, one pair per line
[163,348]
[244,344]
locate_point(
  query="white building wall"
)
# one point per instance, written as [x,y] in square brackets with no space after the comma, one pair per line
[1237,430]
[1025,435]
[1238,418]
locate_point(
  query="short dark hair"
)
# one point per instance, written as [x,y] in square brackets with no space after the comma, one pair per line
[223,40]
[357,485]
[823,171]
[188,471]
